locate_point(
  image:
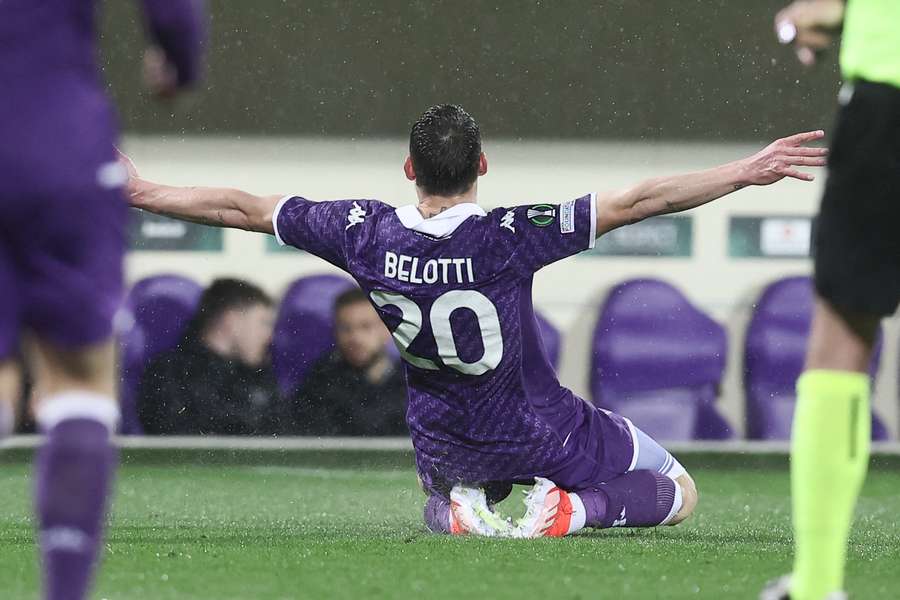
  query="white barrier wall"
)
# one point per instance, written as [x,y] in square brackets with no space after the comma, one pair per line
[519,173]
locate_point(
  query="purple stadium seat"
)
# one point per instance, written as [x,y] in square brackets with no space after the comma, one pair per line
[303,329]
[774,352]
[160,308]
[551,338]
[658,360]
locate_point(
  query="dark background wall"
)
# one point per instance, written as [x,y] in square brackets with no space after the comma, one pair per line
[640,69]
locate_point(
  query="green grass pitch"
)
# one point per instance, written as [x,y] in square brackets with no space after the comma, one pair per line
[187,531]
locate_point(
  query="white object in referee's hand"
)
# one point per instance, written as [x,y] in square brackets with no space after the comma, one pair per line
[787,32]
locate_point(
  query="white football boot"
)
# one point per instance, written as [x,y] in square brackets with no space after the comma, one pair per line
[780,589]
[470,514]
[548,512]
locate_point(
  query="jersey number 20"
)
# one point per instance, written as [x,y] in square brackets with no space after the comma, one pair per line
[411,324]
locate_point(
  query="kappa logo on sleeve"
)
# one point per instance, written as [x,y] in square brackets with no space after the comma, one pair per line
[542,215]
[567,217]
[356,216]
[507,221]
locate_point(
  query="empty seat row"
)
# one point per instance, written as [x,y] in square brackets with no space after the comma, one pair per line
[660,361]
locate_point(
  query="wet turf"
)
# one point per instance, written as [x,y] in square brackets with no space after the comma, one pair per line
[260,533]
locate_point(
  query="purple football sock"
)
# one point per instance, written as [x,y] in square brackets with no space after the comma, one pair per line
[636,499]
[437,514]
[73,476]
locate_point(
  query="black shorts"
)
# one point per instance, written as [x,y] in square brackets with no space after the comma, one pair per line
[857,240]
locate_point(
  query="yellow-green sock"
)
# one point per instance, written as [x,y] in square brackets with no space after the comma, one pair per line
[829,456]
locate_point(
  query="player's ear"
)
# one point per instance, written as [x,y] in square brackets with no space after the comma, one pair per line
[408,169]
[482,165]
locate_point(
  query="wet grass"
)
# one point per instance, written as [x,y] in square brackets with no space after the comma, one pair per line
[256,532]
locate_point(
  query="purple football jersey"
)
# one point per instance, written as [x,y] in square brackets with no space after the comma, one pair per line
[484,402]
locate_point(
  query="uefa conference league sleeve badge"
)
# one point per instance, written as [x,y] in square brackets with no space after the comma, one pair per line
[542,215]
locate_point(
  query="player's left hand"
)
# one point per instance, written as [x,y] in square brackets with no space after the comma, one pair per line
[160,76]
[780,159]
[809,25]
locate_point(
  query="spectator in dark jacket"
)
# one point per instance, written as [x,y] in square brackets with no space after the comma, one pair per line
[358,389]
[218,380]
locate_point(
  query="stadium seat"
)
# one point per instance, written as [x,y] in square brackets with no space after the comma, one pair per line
[303,328]
[659,360]
[774,352]
[159,308]
[552,339]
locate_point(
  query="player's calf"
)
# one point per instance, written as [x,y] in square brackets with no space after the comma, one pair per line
[76,464]
[641,498]
[689,498]
[10,387]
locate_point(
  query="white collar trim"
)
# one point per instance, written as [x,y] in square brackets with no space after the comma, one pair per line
[442,224]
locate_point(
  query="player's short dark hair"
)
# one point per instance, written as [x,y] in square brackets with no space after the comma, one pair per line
[223,295]
[445,147]
[352,296]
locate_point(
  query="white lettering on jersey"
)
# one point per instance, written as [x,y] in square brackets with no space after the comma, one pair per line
[356,216]
[431,272]
[507,221]
[567,217]
[413,269]
[390,265]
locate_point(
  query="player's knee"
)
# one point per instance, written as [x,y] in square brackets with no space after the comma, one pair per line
[91,367]
[689,498]
[10,388]
[841,340]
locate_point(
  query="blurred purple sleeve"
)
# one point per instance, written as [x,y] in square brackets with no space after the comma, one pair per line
[179,28]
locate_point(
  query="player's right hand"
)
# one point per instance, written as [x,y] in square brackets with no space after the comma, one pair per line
[131,169]
[160,76]
[780,159]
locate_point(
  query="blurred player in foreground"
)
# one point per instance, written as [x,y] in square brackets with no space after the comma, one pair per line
[857,280]
[62,238]
[453,284]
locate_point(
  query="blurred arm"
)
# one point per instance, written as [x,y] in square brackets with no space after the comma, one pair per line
[177,26]
[809,25]
[664,195]
[220,207]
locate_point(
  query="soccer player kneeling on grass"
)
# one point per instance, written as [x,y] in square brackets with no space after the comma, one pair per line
[656,490]
[453,284]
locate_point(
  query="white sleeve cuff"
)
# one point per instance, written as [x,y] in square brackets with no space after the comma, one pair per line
[593,239]
[278,206]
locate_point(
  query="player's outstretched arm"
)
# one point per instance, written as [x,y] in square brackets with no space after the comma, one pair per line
[663,195]
[219,207]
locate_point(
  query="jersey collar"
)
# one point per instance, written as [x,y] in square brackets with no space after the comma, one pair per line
[440,225]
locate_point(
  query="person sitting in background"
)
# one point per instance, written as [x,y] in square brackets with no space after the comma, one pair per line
[357,389]
[218,380]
